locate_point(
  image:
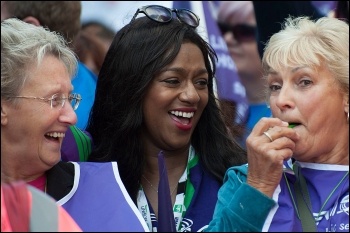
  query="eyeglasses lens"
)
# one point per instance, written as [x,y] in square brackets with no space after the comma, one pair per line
[158,13]
[57,100]
[74,100]
[244,32]
[187,17]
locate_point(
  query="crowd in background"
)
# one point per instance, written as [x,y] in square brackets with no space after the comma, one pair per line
[241,82]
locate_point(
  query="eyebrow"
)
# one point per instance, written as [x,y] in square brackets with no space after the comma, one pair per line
[183,71]
[298,68]
[293,70]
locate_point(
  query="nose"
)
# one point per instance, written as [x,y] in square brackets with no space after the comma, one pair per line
[67,114]
[189,94]
[284,99]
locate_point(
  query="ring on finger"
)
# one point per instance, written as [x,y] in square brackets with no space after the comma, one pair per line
[268,135]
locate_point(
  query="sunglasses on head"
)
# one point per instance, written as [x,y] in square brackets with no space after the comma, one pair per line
[241,32]
[163,14]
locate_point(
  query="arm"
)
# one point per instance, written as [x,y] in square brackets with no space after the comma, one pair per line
[236,209]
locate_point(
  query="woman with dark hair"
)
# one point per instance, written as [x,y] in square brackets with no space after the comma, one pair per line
[156,114]
[155,93]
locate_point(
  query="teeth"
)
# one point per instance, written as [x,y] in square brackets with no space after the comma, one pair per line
[183,114]
[56,135]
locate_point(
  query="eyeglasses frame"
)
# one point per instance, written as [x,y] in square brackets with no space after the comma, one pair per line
[170,10]
[228,28]
[73,96]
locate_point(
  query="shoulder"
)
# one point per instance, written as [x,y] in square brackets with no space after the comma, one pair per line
[84,71]
[60,179]
[43,206]
[62,168]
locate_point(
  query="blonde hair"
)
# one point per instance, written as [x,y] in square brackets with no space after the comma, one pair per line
[311,43]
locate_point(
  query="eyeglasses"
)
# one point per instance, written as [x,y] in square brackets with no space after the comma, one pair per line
[163,14]
[241,32]
[57,100]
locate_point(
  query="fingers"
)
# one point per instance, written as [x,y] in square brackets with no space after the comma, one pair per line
[266,123]
[268,136]
[270,143]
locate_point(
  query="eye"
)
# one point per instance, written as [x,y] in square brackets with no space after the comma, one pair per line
[274,87]
[171,81]
[202,83]
[305,82]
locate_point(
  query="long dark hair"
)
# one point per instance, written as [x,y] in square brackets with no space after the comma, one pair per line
[137,53]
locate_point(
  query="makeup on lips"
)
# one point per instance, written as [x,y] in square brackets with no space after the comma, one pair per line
[182,119]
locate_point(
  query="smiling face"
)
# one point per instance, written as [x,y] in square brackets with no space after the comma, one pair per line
[312,98]
[175,100]
[26,145]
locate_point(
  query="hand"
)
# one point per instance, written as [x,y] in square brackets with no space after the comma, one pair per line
[266,153]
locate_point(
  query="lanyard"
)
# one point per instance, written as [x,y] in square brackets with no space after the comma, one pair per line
[183,197]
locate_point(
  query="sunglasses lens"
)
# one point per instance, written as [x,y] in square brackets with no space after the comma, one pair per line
[158,13]
[188,17]
[223,28]
[243,32]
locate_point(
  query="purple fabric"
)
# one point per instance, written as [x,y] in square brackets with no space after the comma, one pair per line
[201,209]
[69,149]
[321,180]
[99,201]
[325,7]
[166,222]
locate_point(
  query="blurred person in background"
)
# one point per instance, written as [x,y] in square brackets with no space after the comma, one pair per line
[62,17]
[93,43]
[236,20]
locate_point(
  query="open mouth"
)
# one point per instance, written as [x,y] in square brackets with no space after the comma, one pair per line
[293,124]
[182,117]
[54,136]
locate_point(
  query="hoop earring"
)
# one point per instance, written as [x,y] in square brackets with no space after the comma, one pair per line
[348,118]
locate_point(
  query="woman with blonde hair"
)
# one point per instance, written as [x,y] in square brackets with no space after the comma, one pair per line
[306,66]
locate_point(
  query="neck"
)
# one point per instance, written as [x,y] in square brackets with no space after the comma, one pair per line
[175,161]
[12,175]
[175,168]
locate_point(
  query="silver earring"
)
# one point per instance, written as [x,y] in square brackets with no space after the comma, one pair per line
[348,118]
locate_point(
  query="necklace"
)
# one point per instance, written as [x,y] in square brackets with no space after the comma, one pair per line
[156,189]
[325,202]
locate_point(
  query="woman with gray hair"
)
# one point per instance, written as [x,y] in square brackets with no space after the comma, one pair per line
[306,66]
[37,107]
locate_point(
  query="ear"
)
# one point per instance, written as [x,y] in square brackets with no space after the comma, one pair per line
[32,20]
[4,115]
